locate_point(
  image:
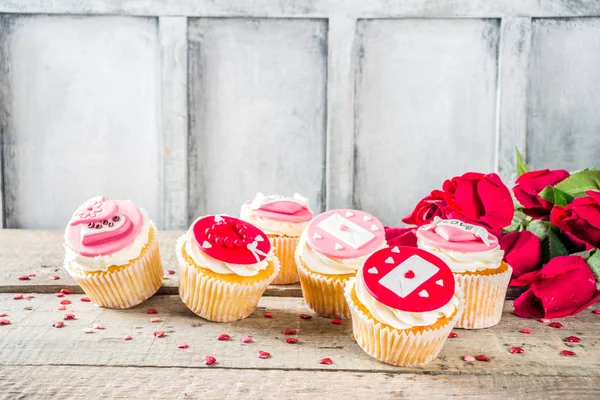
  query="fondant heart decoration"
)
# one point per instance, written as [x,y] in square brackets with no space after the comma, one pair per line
[96,209]
[280,208]
[231,240]
[453,234]
[345,234]
[411,282]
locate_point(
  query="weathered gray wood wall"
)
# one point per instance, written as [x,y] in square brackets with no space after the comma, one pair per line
[190,107]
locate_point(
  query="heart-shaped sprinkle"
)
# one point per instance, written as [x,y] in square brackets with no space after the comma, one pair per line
[263,354]
[439,282]
[206,244]
[317,236]
[338,246]
[373,270]
[367,218]
[209,360]
[218,218]
[423,293]
[326,361]
[343,227]
[409,274]
[349,214]
[396,250]
[374,227]
[389,260]
[259,238]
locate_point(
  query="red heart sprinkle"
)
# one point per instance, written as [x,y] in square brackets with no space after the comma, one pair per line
[54,277]
[31,275]
[305,316]
[127,337]
[514,350]
[209,360]
[336,321]
[62,308]
[263,354]
[58,324]
[326,361]
[343,227]
[409,274]
[481,357]
[573,339]
[152,311]
[567,353]
[597,311]
[289,331]
[246,339]
[69,316]
[154,319]
[85,299]
[65,291]
[291,340]
[4,322]
[171,271]
[183,346]
[268,315]
[224,336]
[526,331]
[29,296]
[453,335]
[65,302]
[159,333]
[17,297]
[556,325]
[59,294]
[23,278]
[3,314]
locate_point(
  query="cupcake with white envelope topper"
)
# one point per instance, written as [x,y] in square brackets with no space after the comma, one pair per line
[112,253]
[225,266]
[283,220]
[334,245]
[475,258]
[404,303]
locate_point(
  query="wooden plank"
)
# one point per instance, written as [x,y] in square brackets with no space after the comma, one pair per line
[257,111]
[82,120]
[174,122]
[422,107]
[4,101]
[563,118]
[31,340]
[135,382]
[312,9]
[340,115]
[515,44]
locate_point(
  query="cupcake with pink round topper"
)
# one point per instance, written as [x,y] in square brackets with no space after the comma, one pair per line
[112,252]
[475,258]
[282,219]
[335,245]
[404,303]
[225,266]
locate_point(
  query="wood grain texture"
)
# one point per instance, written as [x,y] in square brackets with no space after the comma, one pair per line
[82,120]
[174,122]
[425,108]
[257,111]
[42,382]
[31,340]
[515,44]
[563,118]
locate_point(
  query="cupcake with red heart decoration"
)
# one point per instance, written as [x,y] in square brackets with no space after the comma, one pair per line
[225,266]
[334,245]
[475,257]
[112,253]
[404,303]
[283,220]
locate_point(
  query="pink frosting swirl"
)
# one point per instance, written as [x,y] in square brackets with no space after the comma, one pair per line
[279,208]
[455,235]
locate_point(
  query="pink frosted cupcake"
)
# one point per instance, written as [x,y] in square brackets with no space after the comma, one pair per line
[332,248]
[475,258]
[283,220]
[112,253]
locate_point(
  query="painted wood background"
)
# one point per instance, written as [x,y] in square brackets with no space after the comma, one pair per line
[190,107]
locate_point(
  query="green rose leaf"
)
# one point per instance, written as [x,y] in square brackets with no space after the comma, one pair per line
[556,196]
[539,228]
[522,167]
[594,263]
[557,247]
[519,222]
[577,184]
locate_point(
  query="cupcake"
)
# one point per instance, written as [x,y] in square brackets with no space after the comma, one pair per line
[404,303]
[475,258]
[332,248]
[225,266]
[112,253]
[282,219]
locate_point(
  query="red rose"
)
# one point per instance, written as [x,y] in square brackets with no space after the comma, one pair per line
[401,236]
[530,184]
[522,251]
[580,220]
[564,286]
[480,198]
[427,209]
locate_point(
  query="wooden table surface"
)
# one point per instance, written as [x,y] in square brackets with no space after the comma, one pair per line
[40,361]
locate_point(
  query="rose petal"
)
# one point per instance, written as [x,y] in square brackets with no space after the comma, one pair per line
[291,340]
[209,360]
[306,316]
[263,354]
[246,339]
[268,315]
[224,336]
[182,346]
[152,311]
[326,361]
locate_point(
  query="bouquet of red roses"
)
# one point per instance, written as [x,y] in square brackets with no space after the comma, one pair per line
[550,231]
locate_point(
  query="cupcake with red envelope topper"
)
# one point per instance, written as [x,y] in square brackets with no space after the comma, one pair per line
[404,303]
[112,253]
[475,258]
[334,245]
[283,220]
[225,267]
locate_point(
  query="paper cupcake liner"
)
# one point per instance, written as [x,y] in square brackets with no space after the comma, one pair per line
[125,286]
[216,299]
[285,247]
[484,298]
[398,347]
[324,294]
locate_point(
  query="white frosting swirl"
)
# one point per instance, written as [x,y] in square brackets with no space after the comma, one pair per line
[401,319]
[121,257]
[271,226]
[466,262]
[322,264]
[220,267]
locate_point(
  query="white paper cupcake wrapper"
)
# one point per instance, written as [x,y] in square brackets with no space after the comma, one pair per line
[285,247]
[215,299]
